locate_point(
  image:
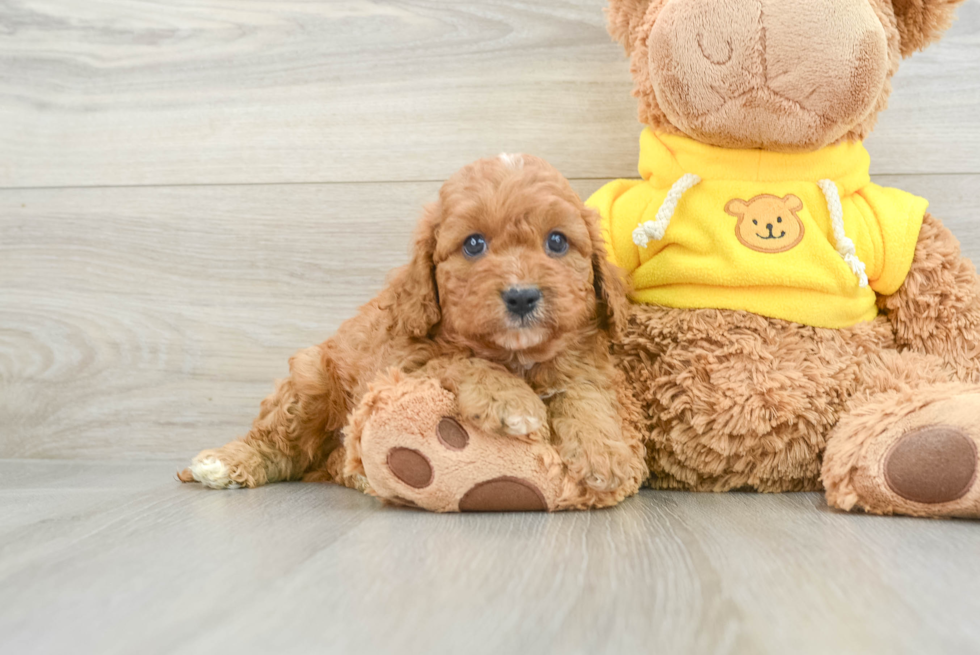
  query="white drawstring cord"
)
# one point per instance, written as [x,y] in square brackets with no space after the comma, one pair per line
[656,229]
[844,244]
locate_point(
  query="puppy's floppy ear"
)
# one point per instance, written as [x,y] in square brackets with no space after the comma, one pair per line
[612,305]
[414,305]
[922,22]
[623,18]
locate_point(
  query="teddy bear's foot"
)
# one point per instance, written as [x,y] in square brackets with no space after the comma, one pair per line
[922,463]
[414,451]
[932,465]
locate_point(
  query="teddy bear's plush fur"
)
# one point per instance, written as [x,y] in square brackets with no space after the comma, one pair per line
[883,415]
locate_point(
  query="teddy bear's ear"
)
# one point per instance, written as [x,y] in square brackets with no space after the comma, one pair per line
[922,22]
[624,18]
[736,208]
[793,203]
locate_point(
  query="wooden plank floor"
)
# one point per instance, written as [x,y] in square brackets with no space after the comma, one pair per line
[189,192]
[114,557]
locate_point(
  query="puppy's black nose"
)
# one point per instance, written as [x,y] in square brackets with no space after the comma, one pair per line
[521,301]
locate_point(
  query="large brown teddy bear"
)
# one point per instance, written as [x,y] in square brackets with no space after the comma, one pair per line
[800,327]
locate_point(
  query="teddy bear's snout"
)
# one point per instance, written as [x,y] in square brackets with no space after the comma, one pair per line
[752,74]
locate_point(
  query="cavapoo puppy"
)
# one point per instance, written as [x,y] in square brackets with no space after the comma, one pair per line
[508,304]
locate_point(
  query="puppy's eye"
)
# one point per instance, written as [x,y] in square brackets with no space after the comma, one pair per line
[755,222]
[556,244]
[474,245]
[779,219]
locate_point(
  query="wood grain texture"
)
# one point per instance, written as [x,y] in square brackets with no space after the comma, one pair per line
[190,191]
[104,557]
[149,322]
[124,92]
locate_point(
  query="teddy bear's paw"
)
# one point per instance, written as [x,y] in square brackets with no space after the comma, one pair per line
[416,453]
[932,465]
[924,464]
[504,494]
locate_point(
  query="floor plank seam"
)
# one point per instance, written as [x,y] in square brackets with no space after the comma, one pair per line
[218,185]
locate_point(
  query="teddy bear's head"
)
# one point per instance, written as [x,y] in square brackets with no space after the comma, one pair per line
[785,75]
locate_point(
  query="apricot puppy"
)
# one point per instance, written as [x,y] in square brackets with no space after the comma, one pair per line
[508,303]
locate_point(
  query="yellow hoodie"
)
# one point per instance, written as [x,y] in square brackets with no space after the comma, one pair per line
[801,237]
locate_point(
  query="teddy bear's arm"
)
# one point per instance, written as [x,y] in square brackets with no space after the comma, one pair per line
[937,308]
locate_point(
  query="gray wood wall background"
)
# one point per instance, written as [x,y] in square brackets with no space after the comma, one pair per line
[191,191]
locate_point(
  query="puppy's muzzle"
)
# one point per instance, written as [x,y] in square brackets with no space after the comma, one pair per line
[521,301]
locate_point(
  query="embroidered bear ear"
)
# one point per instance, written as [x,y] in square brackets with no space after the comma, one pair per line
[736,207]
[793,203]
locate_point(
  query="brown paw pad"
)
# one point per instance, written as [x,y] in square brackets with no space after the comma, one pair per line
[504,494]
[451,434]
[411,467]
[937,464]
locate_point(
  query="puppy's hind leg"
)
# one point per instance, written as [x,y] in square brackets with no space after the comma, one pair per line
[293,431]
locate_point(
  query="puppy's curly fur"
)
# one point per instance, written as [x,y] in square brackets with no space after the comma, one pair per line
[547,375]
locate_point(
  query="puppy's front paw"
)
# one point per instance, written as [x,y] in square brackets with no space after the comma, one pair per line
[520,425]
[510,413]
[606,469]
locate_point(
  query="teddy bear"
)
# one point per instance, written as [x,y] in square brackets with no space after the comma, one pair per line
[827,339]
